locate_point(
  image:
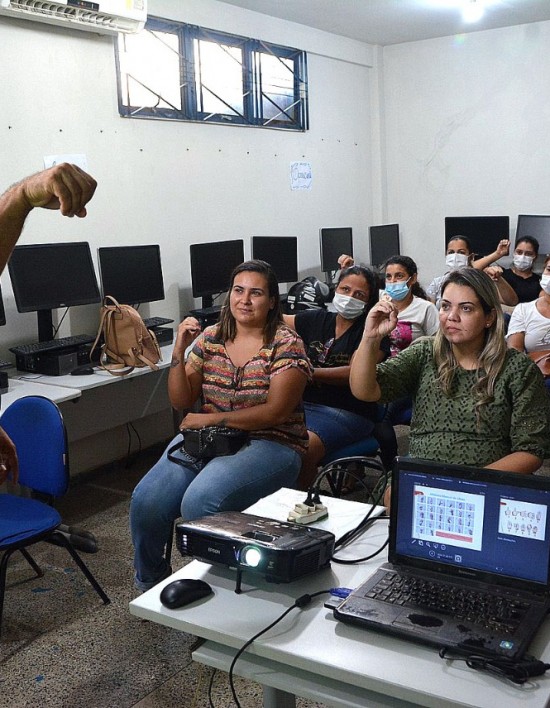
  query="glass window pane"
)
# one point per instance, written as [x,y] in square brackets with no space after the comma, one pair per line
[277,87]
[219,78]
[150,60]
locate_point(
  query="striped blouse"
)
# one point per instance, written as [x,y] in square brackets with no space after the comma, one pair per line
[226,387]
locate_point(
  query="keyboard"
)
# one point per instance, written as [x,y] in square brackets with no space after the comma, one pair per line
[207,312]
[53,345]
[488,609]
[152,322]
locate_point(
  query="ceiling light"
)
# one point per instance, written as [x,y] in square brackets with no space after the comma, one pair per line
[472,11]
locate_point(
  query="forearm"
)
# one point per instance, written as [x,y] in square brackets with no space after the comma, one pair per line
[486,261]
[362,379]
[253,418]
[334,376]
[506,292]
[180,391]
[520,462]
[14,209]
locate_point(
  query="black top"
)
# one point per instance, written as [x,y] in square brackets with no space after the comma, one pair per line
[318,329]
[527,289]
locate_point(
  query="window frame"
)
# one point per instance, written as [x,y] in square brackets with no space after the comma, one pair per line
[253,91]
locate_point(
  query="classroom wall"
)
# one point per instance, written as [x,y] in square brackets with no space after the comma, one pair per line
[466,133]
[178,183]
[181,183]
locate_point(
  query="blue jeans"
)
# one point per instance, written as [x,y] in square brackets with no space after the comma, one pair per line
[170,490]
[335,427]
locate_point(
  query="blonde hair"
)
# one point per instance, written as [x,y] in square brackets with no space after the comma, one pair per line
[492,356]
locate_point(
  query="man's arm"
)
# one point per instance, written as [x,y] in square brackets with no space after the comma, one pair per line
[64,187]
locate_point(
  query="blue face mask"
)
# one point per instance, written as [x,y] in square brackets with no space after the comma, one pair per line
[398,291]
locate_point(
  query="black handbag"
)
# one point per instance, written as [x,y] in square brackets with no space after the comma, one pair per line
[213,441]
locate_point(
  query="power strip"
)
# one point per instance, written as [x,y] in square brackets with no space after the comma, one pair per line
[307,513]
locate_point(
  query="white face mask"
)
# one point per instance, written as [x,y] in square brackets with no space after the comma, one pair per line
[523,262]
[456,260]
[349,307]
[545,283]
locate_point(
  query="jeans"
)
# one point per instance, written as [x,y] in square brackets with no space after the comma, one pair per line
[170,490]
[335,427]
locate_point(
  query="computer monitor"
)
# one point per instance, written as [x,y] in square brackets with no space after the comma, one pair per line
[483,232]
[334,242]
[211,267]
[131,274]
[46,276]
[384,243]
[281,252]
[537,226]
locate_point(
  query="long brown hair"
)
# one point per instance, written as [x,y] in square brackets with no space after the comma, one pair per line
[493,354]
[227,327]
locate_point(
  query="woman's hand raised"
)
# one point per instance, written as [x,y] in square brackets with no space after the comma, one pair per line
[188,330]
[381,320]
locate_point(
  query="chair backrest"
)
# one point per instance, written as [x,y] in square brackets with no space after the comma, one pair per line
[35,425]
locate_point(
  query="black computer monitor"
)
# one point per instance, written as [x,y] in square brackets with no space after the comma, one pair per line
[334,242]
[281,252]
[45,276]
[537,226]
[483,232]
[211,267]
[384,243]
[131,274]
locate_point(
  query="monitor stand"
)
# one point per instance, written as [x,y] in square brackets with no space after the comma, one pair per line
[45,325]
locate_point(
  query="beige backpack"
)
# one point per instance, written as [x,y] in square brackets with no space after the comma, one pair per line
[127,343]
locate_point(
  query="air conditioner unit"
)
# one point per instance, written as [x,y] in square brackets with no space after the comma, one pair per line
[104,17]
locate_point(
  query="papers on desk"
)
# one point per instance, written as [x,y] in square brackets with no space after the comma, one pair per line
[343,515]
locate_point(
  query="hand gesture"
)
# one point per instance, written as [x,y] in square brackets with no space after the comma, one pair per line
[494,272]
[345,261]
[8,458]
[64,187]
[381,320]
[188,330]
[503,248]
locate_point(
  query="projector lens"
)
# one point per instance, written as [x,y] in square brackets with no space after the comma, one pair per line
[251,556]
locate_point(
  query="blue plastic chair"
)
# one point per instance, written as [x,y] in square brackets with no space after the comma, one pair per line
[374,453]
[36,427]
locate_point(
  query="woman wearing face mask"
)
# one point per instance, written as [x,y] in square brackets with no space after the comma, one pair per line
[416,316]
[529,328]
[459,254]
[334,417]
[520,277]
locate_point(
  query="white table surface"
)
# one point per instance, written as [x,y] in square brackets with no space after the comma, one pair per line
[100,377]
[17,388]
[313,642]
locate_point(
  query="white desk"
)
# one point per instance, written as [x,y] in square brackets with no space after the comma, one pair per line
[312,655]
[18,388]
[100,377]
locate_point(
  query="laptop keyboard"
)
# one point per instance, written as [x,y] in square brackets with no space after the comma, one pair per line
[489,610]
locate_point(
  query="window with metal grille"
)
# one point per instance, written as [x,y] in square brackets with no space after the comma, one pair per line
[178,71]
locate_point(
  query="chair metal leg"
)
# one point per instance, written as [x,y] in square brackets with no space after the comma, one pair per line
[64,541]
[33,564]
[169,543]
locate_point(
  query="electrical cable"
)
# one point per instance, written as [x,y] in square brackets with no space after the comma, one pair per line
[517,671]
[300,603]
[60,323]
[210,686]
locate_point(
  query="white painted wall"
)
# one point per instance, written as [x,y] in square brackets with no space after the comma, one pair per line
[466,133]
[181,183]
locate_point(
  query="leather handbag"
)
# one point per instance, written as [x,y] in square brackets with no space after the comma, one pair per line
[542,360]
[211,441]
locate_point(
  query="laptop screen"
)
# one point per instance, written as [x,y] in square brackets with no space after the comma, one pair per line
[471,521]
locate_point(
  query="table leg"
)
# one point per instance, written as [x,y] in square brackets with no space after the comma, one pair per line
[275,698]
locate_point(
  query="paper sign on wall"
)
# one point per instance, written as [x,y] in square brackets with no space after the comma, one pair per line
[300,175]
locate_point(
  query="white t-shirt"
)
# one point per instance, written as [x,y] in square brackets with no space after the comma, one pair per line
[419,319]
[536,327]
[433,291]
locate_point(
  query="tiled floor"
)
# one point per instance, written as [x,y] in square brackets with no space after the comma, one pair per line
[62,647]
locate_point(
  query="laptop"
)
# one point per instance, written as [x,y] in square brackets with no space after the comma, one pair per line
[469,553]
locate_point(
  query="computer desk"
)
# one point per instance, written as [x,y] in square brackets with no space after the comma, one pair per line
[19,388]
[310,654]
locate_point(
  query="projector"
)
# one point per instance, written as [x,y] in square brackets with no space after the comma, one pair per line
[280,551]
